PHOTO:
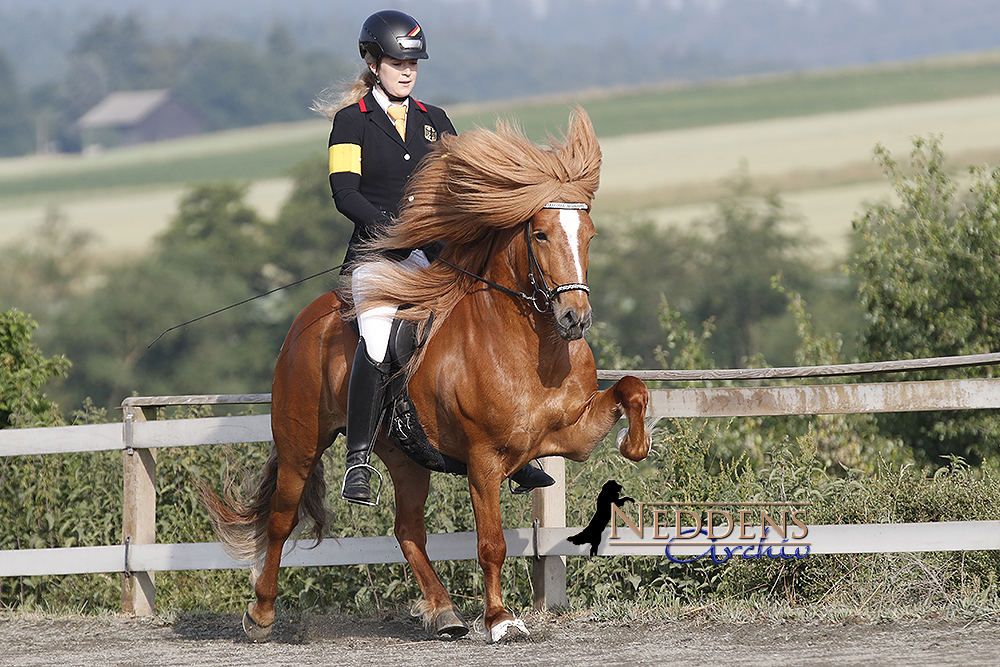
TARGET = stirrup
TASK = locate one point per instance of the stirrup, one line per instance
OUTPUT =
(378, 494)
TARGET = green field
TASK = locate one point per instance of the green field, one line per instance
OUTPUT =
(666, 148)
(635, 111)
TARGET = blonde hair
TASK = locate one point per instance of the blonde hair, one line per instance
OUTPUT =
(333, 99)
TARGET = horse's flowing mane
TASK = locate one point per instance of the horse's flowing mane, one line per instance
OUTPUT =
(474, 191)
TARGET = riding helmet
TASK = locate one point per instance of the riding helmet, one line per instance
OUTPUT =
(392, 34)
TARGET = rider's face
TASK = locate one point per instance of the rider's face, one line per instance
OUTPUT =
(397, 76)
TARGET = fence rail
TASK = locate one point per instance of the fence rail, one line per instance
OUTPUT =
(527, 542)
(140, 435)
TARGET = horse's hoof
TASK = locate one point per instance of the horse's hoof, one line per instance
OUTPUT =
(450, 622)
(508, 631)
(255, 631)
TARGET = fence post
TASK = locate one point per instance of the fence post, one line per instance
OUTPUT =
(138, 513)
(548, 509)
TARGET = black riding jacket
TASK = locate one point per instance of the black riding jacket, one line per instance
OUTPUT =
(370, 163)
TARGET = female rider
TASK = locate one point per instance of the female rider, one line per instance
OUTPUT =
(379, 135)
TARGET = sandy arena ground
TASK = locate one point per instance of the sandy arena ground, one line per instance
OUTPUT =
(326, 640)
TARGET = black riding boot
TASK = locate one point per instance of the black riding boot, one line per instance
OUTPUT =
(529, 477)
(365, 395)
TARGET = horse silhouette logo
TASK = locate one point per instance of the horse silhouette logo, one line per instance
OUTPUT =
(610, 493)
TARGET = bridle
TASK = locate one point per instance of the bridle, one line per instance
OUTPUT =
(541, 288)
(541, 296)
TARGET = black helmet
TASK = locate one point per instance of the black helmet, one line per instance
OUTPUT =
(392, 34)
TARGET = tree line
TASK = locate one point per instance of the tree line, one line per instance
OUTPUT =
(230, 83)
(919, 282)
(244, 81)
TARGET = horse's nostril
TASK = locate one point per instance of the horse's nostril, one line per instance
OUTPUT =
(573, 324)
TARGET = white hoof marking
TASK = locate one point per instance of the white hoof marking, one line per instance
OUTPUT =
(501, 629)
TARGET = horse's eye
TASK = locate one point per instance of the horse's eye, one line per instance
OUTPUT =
(541, 237)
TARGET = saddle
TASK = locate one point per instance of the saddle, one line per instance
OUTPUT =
(399, 414)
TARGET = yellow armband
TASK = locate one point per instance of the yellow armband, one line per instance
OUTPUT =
(345, 157)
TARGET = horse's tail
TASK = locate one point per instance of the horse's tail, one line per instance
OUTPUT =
(240, 518)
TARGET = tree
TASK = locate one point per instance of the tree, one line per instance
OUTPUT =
(210, 257)
(929, 287)
(217, 251)
(215, 234)
(748, 244)
(720, 272)
(632, 269)
(112, 55)
(24, 371)
(110, 334)
(229, 84)
(42, 270)
(232, 84)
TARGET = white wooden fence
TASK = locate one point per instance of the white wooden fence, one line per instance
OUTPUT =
(139, 435)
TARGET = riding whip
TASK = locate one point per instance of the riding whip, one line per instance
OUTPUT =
(220, 310)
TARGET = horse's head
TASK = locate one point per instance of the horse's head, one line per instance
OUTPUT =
(558, 239)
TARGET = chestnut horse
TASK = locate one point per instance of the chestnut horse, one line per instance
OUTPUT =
(504, 377)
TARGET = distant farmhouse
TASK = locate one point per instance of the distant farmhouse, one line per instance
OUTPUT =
(127, 118)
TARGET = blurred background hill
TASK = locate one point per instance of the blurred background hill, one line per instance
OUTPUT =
(481, 49)
(496, 35)
(715, 117)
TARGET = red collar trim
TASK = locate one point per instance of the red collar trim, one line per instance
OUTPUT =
(364, 107)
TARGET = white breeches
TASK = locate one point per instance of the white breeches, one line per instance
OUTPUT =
(376, 323)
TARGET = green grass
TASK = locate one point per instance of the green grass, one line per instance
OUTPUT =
(250, 165)
(269, 152)
(241, 155)
(745, 100)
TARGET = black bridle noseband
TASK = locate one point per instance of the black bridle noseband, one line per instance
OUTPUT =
(541, 296)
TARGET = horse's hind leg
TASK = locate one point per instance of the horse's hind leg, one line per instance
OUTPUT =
(411, 483)
(308, 391)
(292, 478)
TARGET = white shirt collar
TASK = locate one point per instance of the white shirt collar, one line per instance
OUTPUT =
(383, 100)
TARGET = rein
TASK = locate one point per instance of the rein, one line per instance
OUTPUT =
(541, 296)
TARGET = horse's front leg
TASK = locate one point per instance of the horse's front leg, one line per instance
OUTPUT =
(411, 483)
(632, 396)
(590, 422)
(484, 486)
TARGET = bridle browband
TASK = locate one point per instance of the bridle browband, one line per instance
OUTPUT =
(541, 296)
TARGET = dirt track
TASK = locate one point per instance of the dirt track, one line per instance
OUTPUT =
(323, 640)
